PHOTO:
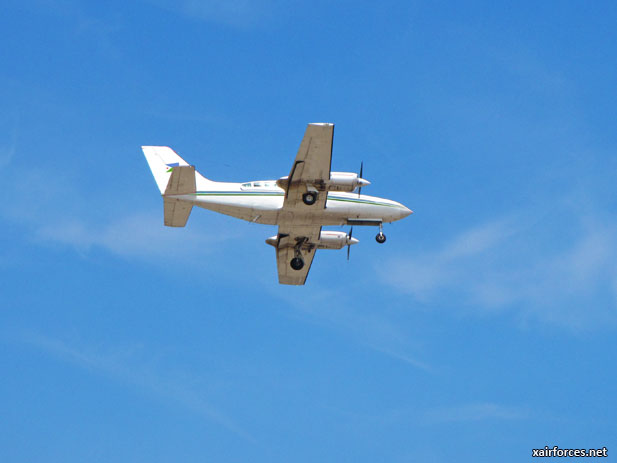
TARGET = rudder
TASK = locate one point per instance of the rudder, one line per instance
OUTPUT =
(162, 160)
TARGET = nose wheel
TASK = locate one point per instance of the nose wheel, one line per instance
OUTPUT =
(380, 238)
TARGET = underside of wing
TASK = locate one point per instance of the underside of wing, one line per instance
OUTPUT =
(292, 243)
(311, 168)
(287, 275)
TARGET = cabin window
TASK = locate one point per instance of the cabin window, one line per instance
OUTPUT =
(257, 184)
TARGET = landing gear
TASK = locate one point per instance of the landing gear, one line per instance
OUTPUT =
(380, 238)
(297, 263)
(309, 198)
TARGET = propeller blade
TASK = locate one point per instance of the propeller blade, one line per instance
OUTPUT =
(349, 241)
(360, 176)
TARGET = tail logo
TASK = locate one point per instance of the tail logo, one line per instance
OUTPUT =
(170, 167)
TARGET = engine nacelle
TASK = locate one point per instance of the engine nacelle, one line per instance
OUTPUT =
(345, 181)
(332, 240)
(339, 181)
(327, 240)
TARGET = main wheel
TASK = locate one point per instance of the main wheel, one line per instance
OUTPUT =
(380, 238)
(296, 263)
(309, 198)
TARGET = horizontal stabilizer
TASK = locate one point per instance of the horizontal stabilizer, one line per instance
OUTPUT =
(176, 212)
(181, 181)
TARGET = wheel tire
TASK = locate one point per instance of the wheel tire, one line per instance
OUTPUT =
(380, 238)
(309, 198)
(296, 263)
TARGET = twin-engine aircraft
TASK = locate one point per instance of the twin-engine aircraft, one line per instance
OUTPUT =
(310, 197)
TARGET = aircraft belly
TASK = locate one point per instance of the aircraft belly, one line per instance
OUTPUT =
(356, 210)
(268, 210)
(260, 210)
(324, 217)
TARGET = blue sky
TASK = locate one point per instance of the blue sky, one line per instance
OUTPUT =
(486, 325)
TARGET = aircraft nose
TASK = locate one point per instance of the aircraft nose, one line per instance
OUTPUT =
(404, 212)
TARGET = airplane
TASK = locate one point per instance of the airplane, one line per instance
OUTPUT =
(301, 203)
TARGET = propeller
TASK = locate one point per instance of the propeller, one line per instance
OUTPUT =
(349, 241)
(359, 176)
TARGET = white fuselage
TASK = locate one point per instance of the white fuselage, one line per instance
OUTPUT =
(262, 202)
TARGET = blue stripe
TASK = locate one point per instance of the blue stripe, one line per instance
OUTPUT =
(278, 193)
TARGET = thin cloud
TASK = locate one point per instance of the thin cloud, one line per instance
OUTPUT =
(499, 266)
(9, 147)
(6, 153)
(127, 367)
(236, 13)
(54, 212)
(425, 275)
(475, 412)
(81, 22)
(368, 328)
(140, 235)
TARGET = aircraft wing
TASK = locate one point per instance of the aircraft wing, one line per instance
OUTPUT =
(288, 238)
(311, 167)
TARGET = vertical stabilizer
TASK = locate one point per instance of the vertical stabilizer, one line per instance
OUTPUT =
(162, 160)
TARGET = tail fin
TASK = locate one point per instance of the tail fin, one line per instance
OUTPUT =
(162, 160)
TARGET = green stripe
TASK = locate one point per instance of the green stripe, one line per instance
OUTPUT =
(233, 193)
(362, 201)
(260, 193)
